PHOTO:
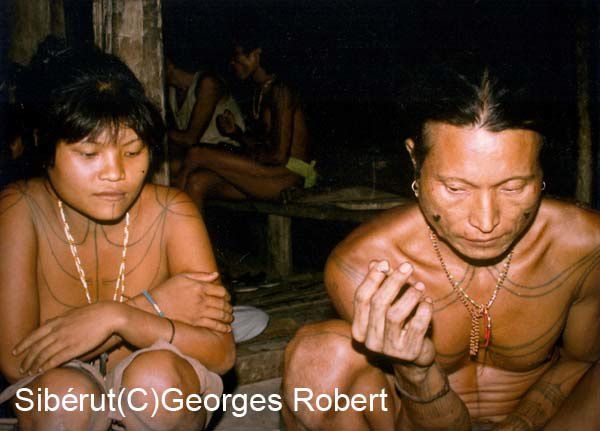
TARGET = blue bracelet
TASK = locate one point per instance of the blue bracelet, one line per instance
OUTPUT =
(153, 303)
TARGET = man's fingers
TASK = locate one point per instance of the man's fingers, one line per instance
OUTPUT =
(380, 303)
(363, 295)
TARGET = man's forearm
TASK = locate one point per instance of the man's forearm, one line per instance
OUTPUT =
(428, 403)
(545, 397)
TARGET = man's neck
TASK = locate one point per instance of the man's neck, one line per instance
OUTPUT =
(260, 76)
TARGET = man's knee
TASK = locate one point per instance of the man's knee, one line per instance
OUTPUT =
(59, 383)
(322, 356)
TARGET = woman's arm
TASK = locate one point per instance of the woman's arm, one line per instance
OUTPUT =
(19, 303)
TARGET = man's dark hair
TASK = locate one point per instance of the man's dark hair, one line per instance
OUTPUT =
(494, 99)
(75, 93)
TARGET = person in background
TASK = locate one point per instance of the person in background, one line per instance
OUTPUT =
(195, 99)
(275, 143)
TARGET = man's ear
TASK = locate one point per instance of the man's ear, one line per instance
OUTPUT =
(410, 147)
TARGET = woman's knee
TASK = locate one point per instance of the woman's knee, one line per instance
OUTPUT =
(172, 379)
(161, 370)
(68, 404)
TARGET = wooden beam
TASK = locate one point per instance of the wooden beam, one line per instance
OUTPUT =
(583, 190)
(279, 239)
(132, 30)
(30, 22)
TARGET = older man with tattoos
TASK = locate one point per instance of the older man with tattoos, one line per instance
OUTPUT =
(479, 306)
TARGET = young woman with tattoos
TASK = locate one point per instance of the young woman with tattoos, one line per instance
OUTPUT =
(107, 281)
(479, 306)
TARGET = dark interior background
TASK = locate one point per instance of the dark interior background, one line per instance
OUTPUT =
(349, 58)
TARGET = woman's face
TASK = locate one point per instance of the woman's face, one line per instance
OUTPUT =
(101, 177)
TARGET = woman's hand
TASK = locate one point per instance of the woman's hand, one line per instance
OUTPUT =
(196, 298)
(67, 337)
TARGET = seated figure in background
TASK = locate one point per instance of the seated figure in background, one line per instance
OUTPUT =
(478, 307)
(107, 282)
(275, 143)
(195, 99)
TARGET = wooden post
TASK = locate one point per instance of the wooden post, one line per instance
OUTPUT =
(30, 22)
(279, 240)
(583, 191)
(132, 30)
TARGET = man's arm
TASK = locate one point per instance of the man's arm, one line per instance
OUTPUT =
(283, 127)
(364, 294)
(580, 350)
(208, 94)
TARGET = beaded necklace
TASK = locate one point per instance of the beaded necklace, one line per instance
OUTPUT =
(120, 284)
(256, 106)
(476, 310)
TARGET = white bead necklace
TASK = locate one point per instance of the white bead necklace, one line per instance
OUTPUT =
(120, 284)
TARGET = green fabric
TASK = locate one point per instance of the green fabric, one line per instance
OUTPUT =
(306, 170)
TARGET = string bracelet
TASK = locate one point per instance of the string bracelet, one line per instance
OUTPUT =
(153, 303)
(172, 329)
(445, 389)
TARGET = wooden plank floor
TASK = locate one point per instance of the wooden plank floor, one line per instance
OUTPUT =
(298, 300)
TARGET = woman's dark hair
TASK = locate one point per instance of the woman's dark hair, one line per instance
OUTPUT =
(74, 93)
(471, 94)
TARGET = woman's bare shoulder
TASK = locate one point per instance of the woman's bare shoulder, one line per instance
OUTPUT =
(17, 199)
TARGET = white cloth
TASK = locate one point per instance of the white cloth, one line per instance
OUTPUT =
(248, 322)
(183, 113)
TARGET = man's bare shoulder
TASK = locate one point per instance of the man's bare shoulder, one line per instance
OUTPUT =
(388, 236)
(570, 226)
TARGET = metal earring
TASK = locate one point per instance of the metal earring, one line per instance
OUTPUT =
(543, 185)
(415, 188)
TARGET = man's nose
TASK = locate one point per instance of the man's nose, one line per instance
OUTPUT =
(484, 213)
(112, 167)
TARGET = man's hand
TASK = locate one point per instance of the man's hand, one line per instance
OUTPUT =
(226, 124)
(66, 337)
(391, 325)
(196, 298)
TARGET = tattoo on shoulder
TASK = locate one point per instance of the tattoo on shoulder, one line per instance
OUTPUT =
(176, 202)
(347, 269)
(12, 195)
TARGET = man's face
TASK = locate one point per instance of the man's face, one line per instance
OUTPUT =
(101, 177)
(480, 190)
(243, 64)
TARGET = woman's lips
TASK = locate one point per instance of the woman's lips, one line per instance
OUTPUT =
(110, 196)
